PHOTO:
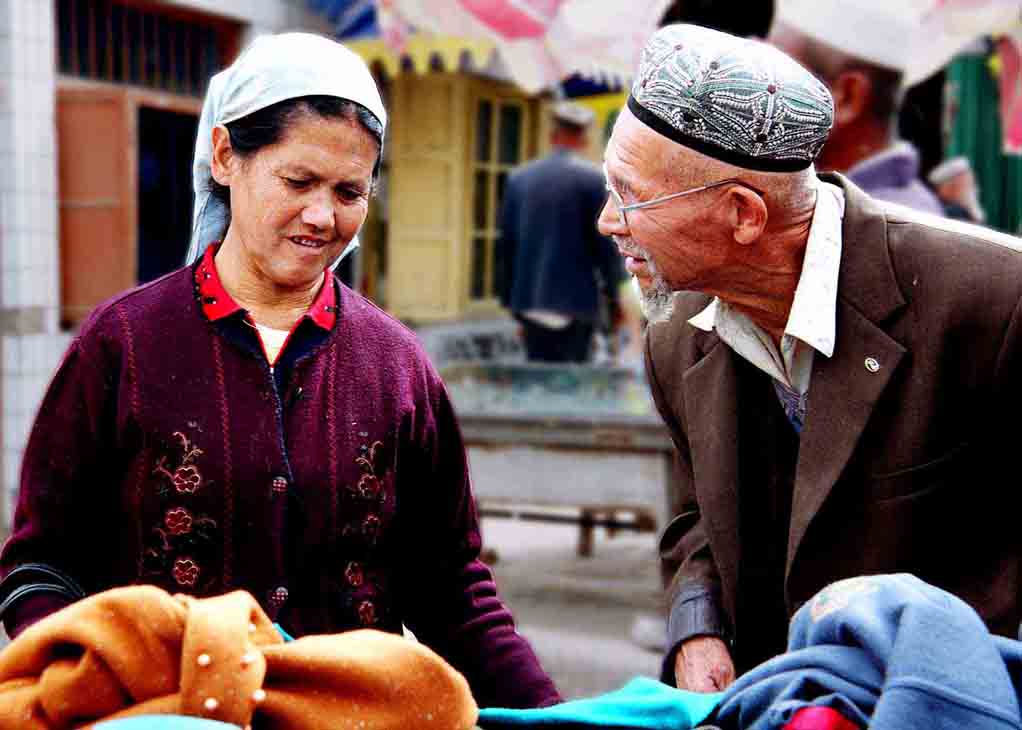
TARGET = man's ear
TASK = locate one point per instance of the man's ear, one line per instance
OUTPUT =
(223, 159)
(748, 214)
(852, 92)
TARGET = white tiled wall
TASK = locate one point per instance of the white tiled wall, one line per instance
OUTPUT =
(28, 364)
(29, 273)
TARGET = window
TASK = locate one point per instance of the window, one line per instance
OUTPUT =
(499, 145)
(107, 40)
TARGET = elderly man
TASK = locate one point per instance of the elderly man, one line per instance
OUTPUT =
(840, 376)
(858, 48)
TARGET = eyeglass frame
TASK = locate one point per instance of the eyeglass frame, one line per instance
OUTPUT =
(623, 209)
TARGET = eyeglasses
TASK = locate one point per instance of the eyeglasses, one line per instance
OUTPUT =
(622, 209)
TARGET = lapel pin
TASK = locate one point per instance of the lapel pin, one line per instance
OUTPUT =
(872, 364)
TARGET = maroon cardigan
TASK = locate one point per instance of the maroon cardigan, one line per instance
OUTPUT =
(165, 453)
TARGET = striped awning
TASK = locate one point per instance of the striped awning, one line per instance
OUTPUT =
(425, 53)
(350, 18)
(537, 44)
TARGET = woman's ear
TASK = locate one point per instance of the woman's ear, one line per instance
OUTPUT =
(223, 158)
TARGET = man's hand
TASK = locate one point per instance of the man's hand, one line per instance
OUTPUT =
(703, 664)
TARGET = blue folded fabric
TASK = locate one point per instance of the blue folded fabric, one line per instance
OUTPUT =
(888, 652)
(642, 704)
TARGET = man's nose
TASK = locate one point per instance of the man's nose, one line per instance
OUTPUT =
(609, 222)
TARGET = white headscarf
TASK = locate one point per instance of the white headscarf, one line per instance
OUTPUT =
(272, 69)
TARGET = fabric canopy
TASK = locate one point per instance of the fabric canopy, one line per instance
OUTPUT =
(539, 43)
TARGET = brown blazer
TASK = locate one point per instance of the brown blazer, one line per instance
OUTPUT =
(907, 469)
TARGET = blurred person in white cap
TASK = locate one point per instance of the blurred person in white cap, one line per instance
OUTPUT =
(557, 274)
(863, 51)
(956, 187)
(249, 422)
(839, 374)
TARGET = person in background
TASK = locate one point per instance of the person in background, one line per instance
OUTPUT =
(839, 375)
(956, 187)
(248, 422)
(557, 274)
(856, 47)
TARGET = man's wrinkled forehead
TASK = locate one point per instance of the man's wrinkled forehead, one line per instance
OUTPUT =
(634, 148)
(640, 158)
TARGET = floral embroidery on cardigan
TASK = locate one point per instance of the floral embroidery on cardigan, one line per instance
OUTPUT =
(182, 536)
(186, 478)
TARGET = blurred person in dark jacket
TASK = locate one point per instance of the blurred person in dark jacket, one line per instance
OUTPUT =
(857, 48)
(956, 187)
(556, 269)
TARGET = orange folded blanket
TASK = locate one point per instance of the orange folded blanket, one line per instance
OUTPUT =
(138, 650)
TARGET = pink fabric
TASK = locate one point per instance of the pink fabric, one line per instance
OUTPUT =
(515, 19)
(1010, 50)
(820, 718)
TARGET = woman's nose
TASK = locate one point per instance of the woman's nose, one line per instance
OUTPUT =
(319, 215)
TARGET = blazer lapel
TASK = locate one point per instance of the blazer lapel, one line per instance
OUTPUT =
(842, 395)
(845, 389)
(711, 409)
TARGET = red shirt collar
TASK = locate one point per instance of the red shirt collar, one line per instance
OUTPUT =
(217, 303)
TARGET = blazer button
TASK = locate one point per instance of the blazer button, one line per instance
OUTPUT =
(278, 597)
(367, 613)
(354, 574)
(279, 485)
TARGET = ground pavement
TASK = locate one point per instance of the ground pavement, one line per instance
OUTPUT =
(578, 612)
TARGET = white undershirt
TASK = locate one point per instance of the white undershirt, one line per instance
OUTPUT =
(273, 340)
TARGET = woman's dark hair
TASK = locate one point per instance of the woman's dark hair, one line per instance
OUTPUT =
(267, 126)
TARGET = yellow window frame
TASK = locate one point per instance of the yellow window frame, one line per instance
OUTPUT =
(490, 171)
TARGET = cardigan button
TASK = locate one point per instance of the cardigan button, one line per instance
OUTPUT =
(367, 613)
(354, 574)
(371, 527)
(279, 485)
(278, 597)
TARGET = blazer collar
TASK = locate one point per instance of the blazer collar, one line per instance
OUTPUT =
(866, 279)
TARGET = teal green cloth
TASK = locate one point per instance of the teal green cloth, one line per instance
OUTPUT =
(283, 634)
(642, 704)
(977, 135)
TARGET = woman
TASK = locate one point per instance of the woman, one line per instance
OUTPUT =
(248, 422)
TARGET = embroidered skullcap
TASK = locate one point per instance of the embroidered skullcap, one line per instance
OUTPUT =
(737, 100)
(949, 169)
(272, 69)
(570, 112)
